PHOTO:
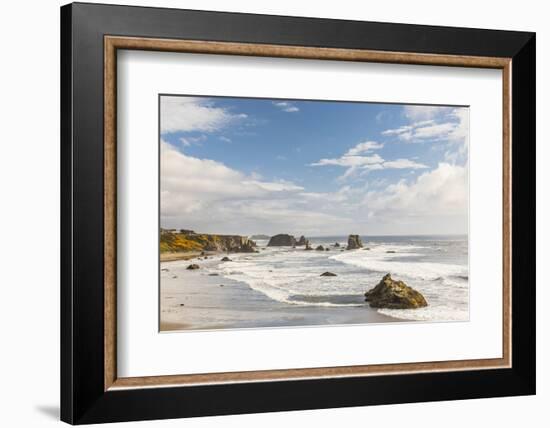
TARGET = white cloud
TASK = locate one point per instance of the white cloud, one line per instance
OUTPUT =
(286, 106)
(276, 186)
(209, 196)
(419, 112)
(350, 161)
(364, 147)
(403, 164)
(225, 139)
(186, 114)
(190, 141)
(355, 160)
(440, 192)
(436, 124)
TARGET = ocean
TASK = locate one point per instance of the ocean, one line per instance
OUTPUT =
(437, 266)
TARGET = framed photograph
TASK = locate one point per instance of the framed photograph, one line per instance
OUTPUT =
(266, 213)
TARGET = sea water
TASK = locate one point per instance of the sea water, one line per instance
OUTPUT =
(437, 266)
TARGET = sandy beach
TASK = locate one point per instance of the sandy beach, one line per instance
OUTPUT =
(199, 300)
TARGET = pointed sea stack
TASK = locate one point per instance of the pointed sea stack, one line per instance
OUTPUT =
(301, 241)
(354, 242)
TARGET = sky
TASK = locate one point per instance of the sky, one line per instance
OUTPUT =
(317, 168)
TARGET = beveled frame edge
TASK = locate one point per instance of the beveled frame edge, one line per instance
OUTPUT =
(112, 43)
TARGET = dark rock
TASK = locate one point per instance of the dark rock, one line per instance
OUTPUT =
(301, 241)
(328, 274)
(308, 245)
(193, 266)
(327, 249)
(213, 274)
(354, 242)
(202, 253)
(221, 285)
(390, 252)
(336, 244)
(282, 240)
(164, 270)
(226, 259)
(392, 294)
(320, 248)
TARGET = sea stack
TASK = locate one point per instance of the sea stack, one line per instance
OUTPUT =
(354, 242)
(391, 294)
(282, 240)
(301, 241)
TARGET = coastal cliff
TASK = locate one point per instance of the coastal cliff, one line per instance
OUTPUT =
(173, 241)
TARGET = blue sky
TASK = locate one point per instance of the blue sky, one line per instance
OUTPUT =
(242, 165)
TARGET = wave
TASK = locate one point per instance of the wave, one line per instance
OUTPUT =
(379, 260)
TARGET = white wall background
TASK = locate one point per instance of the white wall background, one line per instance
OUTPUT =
(29, 214)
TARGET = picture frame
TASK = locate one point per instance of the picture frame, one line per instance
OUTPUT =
(91, 35)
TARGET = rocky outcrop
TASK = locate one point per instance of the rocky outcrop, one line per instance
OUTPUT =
(301, 241)
(282, 240)
(226, 259)
(320, 248)
(308, 245)
(192, 266)
(231, 244)
(393, 294)
(328, 274)
(354, 242)
(336, 245)
(189, 241)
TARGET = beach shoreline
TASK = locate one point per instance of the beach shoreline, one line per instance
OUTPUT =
(193, 300)
(187, 255)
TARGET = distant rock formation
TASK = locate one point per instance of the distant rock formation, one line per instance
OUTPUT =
(189, 241)
(308, 245)
(328, 274)
(354, 242)
(336, 244)
(301, 241)
(393, 294)
(320, 248)
(282, 240)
